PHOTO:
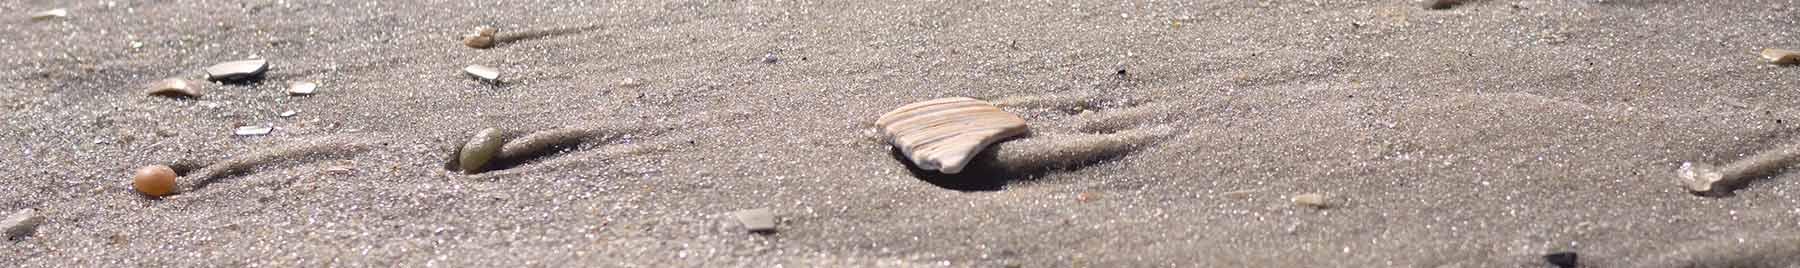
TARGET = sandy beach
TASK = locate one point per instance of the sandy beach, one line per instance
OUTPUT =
(1162, 133)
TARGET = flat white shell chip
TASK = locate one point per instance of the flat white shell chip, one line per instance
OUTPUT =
(483, 72)
(253, 130)
(50, 14)
(756, 220)
(944, 134)
(302, 88)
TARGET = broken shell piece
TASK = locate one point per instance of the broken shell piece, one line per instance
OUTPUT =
(302, 88)
(760, 220)
(484, 73)
(1781, 56)
(237, 70)
(944, 134)
(1312, 200)
(1699, 177)
(253, 130)
(174, 88)
(483, 38)
(50, 14)
(479, 150)
(21, 223)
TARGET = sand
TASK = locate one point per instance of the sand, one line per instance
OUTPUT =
(1484, 135)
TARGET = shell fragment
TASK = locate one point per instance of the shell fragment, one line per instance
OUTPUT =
(944, 134)
(302, 88)
(50, 14)
(237, 70)
(1781, 56)
(253, 130)
(479, 150)
(174, 88)
(484, 73)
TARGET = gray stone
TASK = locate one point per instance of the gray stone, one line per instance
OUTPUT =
(237, 70)
(760, 220)
(21, 223)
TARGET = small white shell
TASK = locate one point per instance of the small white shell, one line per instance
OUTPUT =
(302, 88)
(944, 134)
(50, 14)
(253, 130)
(484, 73)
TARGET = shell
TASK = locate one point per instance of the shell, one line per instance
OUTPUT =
(478, 41)
(1781, 56)
(302, 88)
(50, 14)
(483, 38)
(944, 134)
(174, 88)
(483, 73)
(479, 150)
(237, 70)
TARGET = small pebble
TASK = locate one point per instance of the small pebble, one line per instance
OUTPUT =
(761, 220)
(50, 14)
(155, 180)
(21, 223)
(253, 130)
(237, 71)
(174, 88)
(1565, 259)
(1781, 56)
(1312, 200)
(302, 88)
(770, 58)
(484, 73)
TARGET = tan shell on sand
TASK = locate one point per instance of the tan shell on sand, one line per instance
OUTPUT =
(943, 134)
(1781, 56)
(174, 88)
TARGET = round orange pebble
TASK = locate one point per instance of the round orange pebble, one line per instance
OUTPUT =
(154, 180)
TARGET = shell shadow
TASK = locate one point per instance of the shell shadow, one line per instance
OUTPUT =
(984, 173)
